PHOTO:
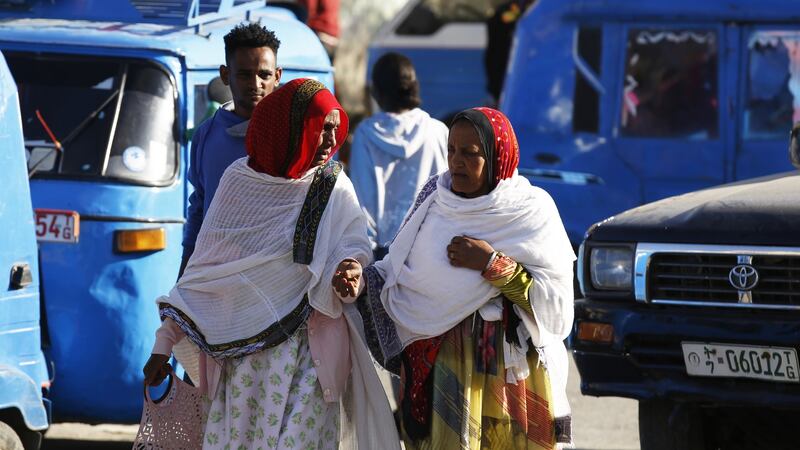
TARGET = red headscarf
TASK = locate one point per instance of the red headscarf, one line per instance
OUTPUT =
(499, 141)
(284, 130)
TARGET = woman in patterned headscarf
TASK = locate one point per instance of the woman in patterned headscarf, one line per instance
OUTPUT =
(268, 339)
(473, 301)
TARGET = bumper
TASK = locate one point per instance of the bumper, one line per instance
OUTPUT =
(644, 359)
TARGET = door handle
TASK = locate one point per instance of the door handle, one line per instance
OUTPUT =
(21, 276)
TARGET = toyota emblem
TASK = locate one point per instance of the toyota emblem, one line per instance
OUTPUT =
(743, 277)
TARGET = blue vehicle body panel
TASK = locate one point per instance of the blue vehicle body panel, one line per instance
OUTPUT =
(684, 10)
(594, 175)
(23, 372)
(100, 304)
(20, 392)
(107, 321)
(200, 50)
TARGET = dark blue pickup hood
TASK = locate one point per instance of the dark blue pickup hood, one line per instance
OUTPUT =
(761, 211)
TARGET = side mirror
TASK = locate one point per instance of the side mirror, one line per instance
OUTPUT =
(794, 146)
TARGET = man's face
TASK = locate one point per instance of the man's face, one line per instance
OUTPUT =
(252, 74)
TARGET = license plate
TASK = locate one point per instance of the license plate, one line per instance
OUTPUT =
(53, 225)
(707, 359)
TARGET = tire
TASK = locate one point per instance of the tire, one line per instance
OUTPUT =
(9, 439)
(665, 425)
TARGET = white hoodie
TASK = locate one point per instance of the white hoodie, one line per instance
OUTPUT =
(392, 157)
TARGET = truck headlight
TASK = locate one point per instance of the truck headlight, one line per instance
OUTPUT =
(611, 268)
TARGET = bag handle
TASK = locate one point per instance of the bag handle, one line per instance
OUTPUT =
(170, 386)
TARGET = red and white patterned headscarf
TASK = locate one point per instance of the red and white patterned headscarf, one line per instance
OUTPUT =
(284, 130)
(500, 146)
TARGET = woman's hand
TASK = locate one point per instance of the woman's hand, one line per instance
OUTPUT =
(470, 253)
(156, 369)
(347, 278)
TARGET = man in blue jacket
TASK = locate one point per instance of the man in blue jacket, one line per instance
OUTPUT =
(252, 73)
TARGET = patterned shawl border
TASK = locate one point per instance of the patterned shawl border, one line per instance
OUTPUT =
(381, 334)
(317, 198)
(300, 101)
(273, 335)
(429, 188)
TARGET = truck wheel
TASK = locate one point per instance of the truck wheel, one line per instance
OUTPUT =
(9, 439)
(665, 425)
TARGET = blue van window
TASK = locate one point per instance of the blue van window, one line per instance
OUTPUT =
(429, 15)
(586, 110)
(769, 110)
(670, 85)
(114, 118)
(75, 99)
(145, 144)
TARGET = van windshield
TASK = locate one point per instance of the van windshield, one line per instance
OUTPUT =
(773, 84)
(113, 118)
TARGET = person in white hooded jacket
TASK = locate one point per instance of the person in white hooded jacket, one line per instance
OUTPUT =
(395, 151)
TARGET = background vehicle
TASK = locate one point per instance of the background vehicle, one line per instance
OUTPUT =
(445, 40)
(118, 83)
(693, 308)
(618, 103)
(23, 371)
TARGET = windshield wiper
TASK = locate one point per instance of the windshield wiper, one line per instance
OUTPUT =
(81, 126)
(59, 148)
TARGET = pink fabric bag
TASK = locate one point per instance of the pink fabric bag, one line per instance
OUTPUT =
(176, 422)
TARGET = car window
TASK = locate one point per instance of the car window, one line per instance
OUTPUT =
(113, 118)
(670, 85)
(428, 16)
(773, 84)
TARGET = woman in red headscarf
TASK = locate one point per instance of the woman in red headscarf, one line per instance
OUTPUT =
(253, 319)
(473, 301)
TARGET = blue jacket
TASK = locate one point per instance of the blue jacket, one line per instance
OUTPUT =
(213, 150)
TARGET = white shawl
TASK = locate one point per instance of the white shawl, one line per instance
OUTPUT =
(244, 254)
(426, 296)
(241, 277)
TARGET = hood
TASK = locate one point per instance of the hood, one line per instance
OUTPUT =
(400, 135)
(761, 211)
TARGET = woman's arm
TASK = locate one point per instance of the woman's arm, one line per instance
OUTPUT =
(512, 279)
(157, 368)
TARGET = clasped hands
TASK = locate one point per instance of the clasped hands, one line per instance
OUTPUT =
(346, 280)
(462, 251)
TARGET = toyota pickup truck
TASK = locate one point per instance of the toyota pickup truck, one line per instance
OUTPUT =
(692, 307)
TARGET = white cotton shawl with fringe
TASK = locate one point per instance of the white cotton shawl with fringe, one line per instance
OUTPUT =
(426, 296)
(242, 279)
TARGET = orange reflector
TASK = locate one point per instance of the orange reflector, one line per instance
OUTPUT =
(141, 240)
(595, 332)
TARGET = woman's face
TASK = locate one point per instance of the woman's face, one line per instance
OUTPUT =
(327, 138)
(466, 161)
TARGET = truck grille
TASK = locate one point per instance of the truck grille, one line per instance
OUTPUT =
(703, 277)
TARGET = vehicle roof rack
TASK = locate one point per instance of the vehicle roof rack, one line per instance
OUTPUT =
(188, 13)
(193, 12)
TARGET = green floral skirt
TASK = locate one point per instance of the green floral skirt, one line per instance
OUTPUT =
(272, 399)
